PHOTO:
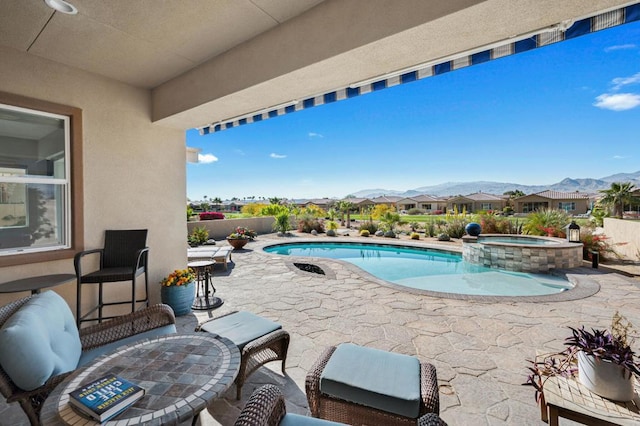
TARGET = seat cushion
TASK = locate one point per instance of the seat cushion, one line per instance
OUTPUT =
(384, 380)
(111, 275)
(39, 341)
(241, 327)
(91, 354)
(291, 419)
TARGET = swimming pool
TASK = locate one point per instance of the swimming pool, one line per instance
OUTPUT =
(428, 269)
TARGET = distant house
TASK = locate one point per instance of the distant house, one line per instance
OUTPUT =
(323, 203)
(476, 202)
(390, 200)
(571, 202)
(423, 202)
(360, 203)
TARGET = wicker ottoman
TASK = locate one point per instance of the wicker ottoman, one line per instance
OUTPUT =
(362, 365)
(259, 340)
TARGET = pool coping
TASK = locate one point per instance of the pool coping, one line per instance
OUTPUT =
(584, 286)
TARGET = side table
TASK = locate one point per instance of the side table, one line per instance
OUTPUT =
(35, 284)
(568, 398)
(181, 375)
(204, 299)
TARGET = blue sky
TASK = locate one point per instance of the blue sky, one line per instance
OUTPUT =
(571, 109)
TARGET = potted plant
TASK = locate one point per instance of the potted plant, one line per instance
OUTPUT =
(606, 362)
(178, 290)
(602, 360)
(240, 237)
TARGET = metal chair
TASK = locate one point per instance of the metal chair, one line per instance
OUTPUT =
(123, 258)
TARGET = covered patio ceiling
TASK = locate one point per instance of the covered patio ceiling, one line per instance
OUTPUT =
(207, 61)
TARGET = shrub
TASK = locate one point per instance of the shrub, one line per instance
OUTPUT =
(274, 210)
(415, 211)
(492, 224)
(430, 229)
(380, 210)
(369, 227)
(313, 210)
(282, 223)
(437, 212)
(546, 222)
(198, 236)
(598, 243)
(252, 209)
(414, 226)
(332, 225)
(455, 228)
(364, 233)
(211, 216)
(309, 223)
(415, 236)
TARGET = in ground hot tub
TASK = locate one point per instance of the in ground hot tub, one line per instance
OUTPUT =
(521, 253)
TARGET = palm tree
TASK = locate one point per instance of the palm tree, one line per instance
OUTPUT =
(617, 196)
(345, 206)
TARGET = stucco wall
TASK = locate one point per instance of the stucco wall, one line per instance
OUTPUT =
(219, 229)
(625, 236)
(134, 171)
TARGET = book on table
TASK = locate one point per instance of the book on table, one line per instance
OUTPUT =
(105, 397)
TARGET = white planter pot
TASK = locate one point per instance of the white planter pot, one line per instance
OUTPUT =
(605, 378)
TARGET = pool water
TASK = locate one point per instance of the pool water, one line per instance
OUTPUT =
(427, 269)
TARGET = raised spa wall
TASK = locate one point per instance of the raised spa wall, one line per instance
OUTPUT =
(522, 257)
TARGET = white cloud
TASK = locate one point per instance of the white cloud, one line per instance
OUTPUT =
(278, 156)
(620, 47)
(315, 135)
(207, 158)
(618, 101)
(625, 81)
(619, 157)
(239, 152)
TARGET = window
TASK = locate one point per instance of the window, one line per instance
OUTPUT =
(40, 197)
(426, 206)
(567, 206)
(486, 206)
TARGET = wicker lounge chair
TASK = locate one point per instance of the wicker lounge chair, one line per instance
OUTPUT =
(259, 340)
(92, 338)
(266, 407)
(332, 408)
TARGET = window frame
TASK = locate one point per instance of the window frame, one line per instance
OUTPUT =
(75, 158)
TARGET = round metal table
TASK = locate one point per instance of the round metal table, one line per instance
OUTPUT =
(181, 375)
(205, 299)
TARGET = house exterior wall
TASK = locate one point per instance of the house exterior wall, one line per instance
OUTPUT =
(581, 204)
(131, 166)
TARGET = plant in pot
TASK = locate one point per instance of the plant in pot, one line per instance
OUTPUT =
(602, 360)
(240, 237)
(178, 290)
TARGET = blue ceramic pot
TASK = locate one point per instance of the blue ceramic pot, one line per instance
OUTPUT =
(180, 297)
(473, 229)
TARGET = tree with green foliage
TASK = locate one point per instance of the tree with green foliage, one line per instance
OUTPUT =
(617, 196)
(346, 207)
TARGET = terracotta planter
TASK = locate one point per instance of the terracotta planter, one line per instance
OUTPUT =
(605, 378)
(237, 243)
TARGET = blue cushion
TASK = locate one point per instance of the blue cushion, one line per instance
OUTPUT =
(39, 341)
(241, 327)
(379, 379)
(91, 354)
(291, 419)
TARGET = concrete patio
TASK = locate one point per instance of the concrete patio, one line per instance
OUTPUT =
(479, 348)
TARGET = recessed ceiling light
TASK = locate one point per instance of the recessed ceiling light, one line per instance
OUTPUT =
(62, 6)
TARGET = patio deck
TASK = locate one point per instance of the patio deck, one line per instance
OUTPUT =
(478, 347)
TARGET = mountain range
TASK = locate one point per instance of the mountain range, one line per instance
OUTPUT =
(498, 188)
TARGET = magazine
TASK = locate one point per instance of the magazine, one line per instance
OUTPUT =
(106, 397)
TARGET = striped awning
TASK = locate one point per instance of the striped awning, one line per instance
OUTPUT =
(543, 37)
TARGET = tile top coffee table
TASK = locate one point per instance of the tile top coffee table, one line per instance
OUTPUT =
(181, 374)
(568, 398)
(35, 284)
